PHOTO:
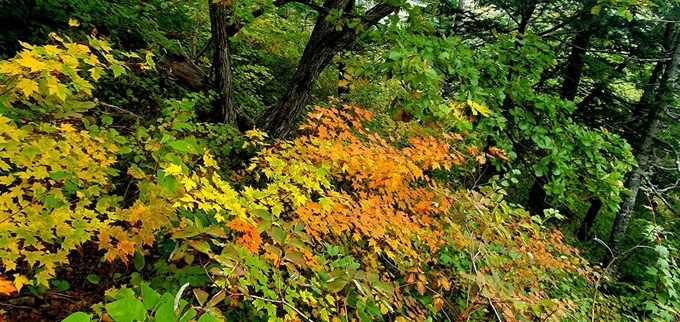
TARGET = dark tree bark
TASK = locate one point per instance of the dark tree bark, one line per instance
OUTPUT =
(324, 43)
(589, 220)
(657, 111)
(574, 70)
(225, 105)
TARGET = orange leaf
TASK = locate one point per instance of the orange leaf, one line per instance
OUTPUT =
(6, 287)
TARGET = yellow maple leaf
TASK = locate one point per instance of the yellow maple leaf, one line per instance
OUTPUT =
(478, 108)
(20, 281)
(95, 72)
(27, 86)
(73, 22)
(173, 169)
(28, 60)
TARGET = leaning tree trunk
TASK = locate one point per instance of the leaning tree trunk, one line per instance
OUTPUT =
(225, 103)
(644, 157)
(324, 43)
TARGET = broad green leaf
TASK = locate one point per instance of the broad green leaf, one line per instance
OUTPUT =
(126, 310)
(149, 296)
(78, 317)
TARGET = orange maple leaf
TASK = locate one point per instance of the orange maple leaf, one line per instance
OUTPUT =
(6, 287)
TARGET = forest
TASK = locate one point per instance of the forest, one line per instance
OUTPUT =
(339, 160)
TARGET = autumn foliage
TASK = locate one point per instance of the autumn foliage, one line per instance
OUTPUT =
(340, 223)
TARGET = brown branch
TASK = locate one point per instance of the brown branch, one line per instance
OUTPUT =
(120, 109)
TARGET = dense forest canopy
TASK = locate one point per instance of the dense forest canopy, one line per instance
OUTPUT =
(337, 160)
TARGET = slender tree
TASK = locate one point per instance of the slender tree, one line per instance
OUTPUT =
(657, 111)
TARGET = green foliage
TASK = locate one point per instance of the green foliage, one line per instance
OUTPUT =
(451, 84)
(129, 24)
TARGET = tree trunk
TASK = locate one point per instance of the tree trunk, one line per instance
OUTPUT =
(224, 104)
(574, 72)
(228, 111)
(458, 23)
(658, 110)
(587, 223)
(324, 43)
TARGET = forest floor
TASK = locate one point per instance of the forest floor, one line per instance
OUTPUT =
(55, 305)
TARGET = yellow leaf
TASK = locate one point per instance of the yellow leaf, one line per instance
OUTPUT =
(96, 73)
(54, 36)
(20, 281)
(209, 161)
(26, 45)
(28, 60)
(73, 22)
(478, 108)
(27, 86)
(173, 169)
(52, 85)
(52, 49)
(188, 184)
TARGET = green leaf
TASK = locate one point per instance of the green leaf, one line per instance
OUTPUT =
(207, 317)
(139, 261)
(336, 285)
(78, 317)
(217, 298)
(149, 297)
(93, 278)
(165, 312)
(278, 234)
(201, 246)
(61, 285)
(179, 146)
(126, 310)
(296, 257)
(117, 70)
(596, 9)
(265, 215)
(107, 120)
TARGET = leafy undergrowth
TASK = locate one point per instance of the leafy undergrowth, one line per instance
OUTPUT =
(337, 224)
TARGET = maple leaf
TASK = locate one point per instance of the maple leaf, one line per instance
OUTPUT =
(6, 287)
(28, 60)
(173, 169)
(27, 86)
(126, 248)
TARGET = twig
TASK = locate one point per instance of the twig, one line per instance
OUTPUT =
(120, 109)
(17, 306)
(494, 311)
(200, 52)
